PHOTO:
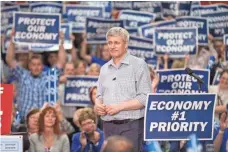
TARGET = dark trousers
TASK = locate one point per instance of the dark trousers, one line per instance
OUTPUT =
(133, 130)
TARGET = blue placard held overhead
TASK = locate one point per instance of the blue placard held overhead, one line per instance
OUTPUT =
(200, 10)
(77, 14)
(96, 29)
(66, 28)
(106, 4)
(175, 9)
(147, 31)
(177, 116)
(36, 28)
(218, 23)
(77, 90)
(136, 18)
(222, 7)
(176, 42)
(122, 5)
(145, 53)
(178, 81)
(7, 17)
(133, 31)
(47, 8)
(200, 23)
(140, 42)
(147, 6)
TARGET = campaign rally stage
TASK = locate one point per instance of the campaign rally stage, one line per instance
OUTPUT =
(177, 116)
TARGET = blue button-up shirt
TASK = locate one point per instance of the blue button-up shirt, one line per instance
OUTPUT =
(31, 90)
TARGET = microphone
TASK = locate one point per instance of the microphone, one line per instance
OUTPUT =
(114, 79)
(190, 72)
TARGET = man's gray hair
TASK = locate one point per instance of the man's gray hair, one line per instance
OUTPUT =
(118, 31)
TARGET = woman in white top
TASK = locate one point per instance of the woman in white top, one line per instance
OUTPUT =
(49, 137)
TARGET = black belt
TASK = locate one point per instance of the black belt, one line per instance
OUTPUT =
(121, 121)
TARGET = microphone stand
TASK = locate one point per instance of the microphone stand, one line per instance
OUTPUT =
(199, 85)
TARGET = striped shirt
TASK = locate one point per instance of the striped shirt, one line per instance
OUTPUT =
(31, 90)
(131, 80)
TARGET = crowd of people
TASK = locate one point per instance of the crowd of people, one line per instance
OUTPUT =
(114, 121)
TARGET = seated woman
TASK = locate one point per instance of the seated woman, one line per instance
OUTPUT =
(49, 137)
(90, 139)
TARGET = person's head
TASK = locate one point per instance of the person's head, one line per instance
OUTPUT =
(76, 117)
(118, 144)
(22, 58)
(32, 119)
(105, 53)
(223, 81)
(92, 94)
(80, 68)
(219, 47)
(87, 120)
(36, 64)
(52, 58)
(69, 68)
(117, 39)
(94, 70)
(178, 64)
(48, 119)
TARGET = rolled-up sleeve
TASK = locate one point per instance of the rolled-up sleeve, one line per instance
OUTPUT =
(143, 85)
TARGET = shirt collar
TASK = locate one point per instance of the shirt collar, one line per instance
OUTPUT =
(125, 60)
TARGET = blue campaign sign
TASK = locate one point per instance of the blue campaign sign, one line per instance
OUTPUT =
(24, 7)
(133, 31)
(176, 42)
(136, 18)
(147, 6)
(178, 81)
(47, 8)
(222, 7)
(106, 4)
(36, 28)
(225, 39)
(198, 22)
(96, 29)
(67, 30)
(11, 143)
(147, 30)
(43, 47)
(145, 53)
(7, 16)
(122, 5)
(200, 10)
(177, 116)
(77, 14)
(174, 9)
(77, 90)
(217, 23)
(140, 42)
(18, 48)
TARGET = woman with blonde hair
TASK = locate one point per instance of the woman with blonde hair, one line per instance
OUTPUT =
(49, 137)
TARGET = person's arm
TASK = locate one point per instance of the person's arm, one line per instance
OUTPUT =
(166, 58)
(10, 54)
(61, 53)
(97, 148)
(219, 138)
(76, 145)
(143, 87)
(66, 126)
(65, 144)
(220, 109)
(83, 50)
